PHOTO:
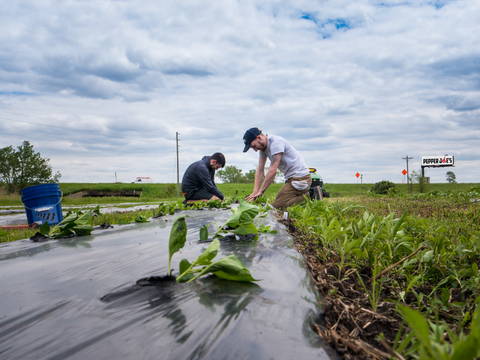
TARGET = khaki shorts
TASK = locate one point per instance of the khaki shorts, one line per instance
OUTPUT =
(288, 195)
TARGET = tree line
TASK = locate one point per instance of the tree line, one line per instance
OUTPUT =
(232, 174)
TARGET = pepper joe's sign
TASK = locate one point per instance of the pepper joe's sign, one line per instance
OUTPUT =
(430, 161)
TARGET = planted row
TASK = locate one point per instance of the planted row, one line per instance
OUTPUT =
(427, 265)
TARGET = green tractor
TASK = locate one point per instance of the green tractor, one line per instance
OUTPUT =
(317, 181)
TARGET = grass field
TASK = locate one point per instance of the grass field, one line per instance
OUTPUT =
(166, 192)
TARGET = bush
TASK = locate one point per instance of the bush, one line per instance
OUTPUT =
(384, 187)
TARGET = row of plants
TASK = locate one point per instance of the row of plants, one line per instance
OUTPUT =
(407, 269)
(71, 225)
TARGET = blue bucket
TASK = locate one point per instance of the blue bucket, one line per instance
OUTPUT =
(43, 203)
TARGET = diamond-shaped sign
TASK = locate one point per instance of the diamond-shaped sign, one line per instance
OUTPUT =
(404, 172)
(357, 174)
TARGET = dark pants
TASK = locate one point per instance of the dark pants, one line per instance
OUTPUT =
(288, 195)
(200, 194)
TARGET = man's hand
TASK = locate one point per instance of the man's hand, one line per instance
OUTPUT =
(253, 196)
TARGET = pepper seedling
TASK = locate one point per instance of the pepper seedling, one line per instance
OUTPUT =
(241, 222)
(229, 268)
(178, 237)
(76, 223)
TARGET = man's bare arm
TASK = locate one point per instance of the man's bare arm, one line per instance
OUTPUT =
(259, 174)
(272, 171)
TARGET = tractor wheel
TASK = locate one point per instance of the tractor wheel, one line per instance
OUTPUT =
(326, 194)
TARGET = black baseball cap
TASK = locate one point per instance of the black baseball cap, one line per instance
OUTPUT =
(250, 135)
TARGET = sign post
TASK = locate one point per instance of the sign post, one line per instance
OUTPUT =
(404, 172)
(357, 175)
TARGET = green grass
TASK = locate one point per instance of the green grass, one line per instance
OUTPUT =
(349, 190)
(150, 193)
(165, 192)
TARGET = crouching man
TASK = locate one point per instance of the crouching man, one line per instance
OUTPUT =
(285, 158)
(198, 182)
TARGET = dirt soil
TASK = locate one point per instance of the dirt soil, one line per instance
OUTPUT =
(351, 326)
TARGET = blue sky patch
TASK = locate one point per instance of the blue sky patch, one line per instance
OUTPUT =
(321, 24)
(308, 16)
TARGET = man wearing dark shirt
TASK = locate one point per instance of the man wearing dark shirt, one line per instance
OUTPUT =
(198, 182)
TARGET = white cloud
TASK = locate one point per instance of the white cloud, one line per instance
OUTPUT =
(355, 86)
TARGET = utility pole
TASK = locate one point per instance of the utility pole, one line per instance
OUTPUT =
(408, 177)
(178, 171)
(361, 178)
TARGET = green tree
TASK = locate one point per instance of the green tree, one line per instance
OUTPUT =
(250, 176)
(24, 167)
(419, 181)
(8, 164)
(231, 174)
(451, 177)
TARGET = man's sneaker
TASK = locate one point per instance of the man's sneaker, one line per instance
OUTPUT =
(317, 190)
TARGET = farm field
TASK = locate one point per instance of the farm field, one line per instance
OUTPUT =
(168, 192)
(399, 275)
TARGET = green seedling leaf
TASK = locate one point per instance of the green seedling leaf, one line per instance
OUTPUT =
(445, 296)
(70, 218)
(4, 233)
(466, 349)
(428, 256)
(65, 232)
(83, 230)
(266, 229)
(67, 226)
(229, 268)
(184, 266)
(141, 219)
(209, 253)
(45, 228)
(84, 219)
(203, 233)
(417, 323)
(245, 229)
(178, 236)
(245, 213)
(97, 210)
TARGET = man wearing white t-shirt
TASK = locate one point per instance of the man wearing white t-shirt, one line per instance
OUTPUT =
(285, 158)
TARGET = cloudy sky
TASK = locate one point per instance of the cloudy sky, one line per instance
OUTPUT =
(103, 86)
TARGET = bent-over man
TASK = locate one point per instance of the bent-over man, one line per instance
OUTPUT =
(285, 158)
(198, 182)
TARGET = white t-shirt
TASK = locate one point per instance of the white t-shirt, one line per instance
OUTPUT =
(291, 163)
